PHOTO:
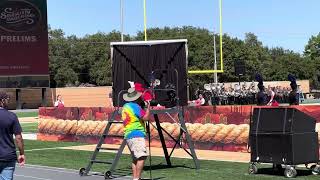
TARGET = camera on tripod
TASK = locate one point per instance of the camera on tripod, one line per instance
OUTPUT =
(164, 94)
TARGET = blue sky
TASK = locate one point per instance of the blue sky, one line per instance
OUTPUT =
(285, 23)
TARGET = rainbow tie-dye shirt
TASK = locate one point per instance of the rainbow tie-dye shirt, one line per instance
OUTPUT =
(133, 125)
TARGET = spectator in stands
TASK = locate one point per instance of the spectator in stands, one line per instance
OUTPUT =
(59, 102)
(9, 126)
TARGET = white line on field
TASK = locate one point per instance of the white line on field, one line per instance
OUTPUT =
(31, 177)
(40, 149)
(55, 169)
(48, 167)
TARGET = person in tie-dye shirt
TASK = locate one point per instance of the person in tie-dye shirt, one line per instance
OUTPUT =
(133, 116)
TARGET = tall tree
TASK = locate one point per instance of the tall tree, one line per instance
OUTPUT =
(75, 60)
(312, 49)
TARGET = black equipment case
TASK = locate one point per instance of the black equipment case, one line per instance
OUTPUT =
(283, 136)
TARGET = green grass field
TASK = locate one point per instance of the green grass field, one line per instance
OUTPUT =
(182, 168)
(29, 127)
(26, 114)
(31, 144)
(46, 153)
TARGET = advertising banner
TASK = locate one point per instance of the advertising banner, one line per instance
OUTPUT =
(23, 44)
(223, 128)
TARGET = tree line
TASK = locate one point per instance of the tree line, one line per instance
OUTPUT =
(76, 60)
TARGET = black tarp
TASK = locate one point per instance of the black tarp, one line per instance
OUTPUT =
(136, 62)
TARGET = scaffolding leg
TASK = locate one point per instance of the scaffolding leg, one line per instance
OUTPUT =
(189, 140)
(164, 146)
(98, 147)
(119, 153)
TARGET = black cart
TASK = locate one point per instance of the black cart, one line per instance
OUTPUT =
(284, 137)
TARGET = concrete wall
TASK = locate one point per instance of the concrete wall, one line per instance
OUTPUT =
(84, 96)
(72, 97)
(30, 98)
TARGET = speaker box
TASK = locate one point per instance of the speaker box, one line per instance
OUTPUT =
(239, 68)
(285, 120)
(290, 149)
(139, 61)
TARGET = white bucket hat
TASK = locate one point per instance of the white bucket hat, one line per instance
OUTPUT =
(132, 95)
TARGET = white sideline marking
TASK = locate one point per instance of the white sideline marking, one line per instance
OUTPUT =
(31, 177)
(52, 148)
(56, 169)
(29, 136)
(49, 168)
(29, 150)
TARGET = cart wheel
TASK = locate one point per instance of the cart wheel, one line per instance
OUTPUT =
(315, 170)
(107, 175)
(290, 172)
(253, 169)
(82, 171)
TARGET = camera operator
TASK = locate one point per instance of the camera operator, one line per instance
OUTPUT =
(133, 116)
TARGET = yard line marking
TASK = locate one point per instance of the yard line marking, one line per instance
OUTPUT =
(50, 168)
(29, 133)
(31, 177)
(40, 149)
(62, 170)
(54, 170)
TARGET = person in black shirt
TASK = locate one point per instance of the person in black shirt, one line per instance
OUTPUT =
(293, 95)
(9, 126)
(261, 95)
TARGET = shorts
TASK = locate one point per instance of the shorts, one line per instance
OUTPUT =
(137, 147)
